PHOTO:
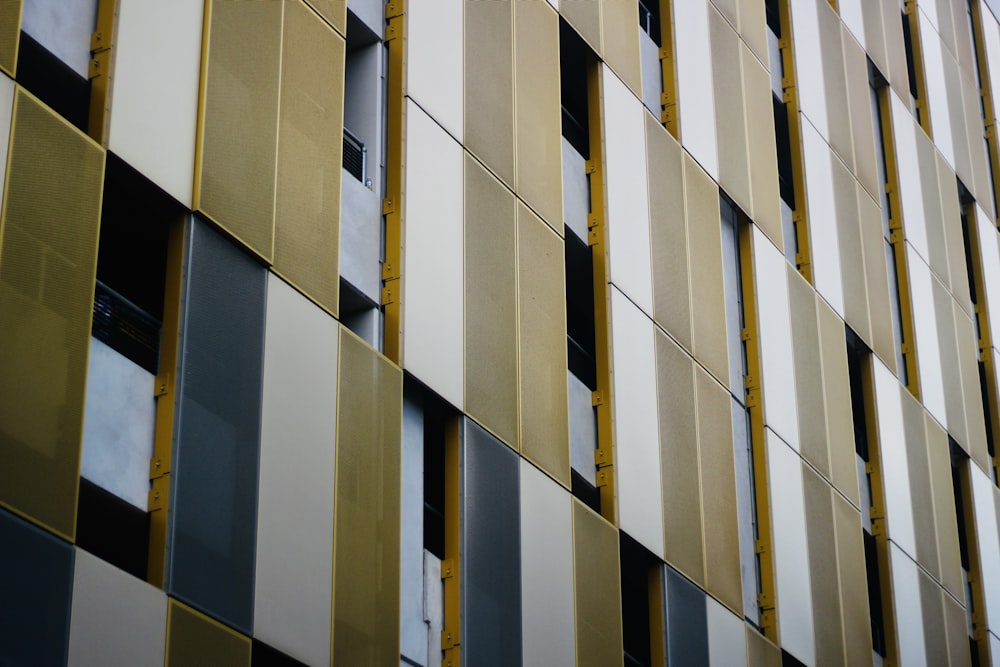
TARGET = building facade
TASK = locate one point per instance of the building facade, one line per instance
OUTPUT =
(499, 332)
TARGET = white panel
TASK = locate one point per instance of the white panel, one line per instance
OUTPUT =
(555, 4)
(640, 501)
(433, 264)
(116, 619)
(293, 594)
(809, 63)
(908, 169)
(412, 628)
(155, 103)
(727, 644)
(6, 109)
(984, 501)
(909, 617)
(937, 94)
(434, 80)
(582, 428)
(791, 550)
(989, 249)
(892, 444)
(547, 621)
(926, 333)
(775, 330)
(628, 201)
(695, 91)
(576, 190)
(823, 218)
(64, 29)
(853, 17)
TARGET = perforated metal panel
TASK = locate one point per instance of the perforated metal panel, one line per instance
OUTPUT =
(596, 573)
(621, 41)
(48, 258)
(10, 34)
(827, 623)
(334, 11)
(196, 639)
(489, 85)
(853, 581)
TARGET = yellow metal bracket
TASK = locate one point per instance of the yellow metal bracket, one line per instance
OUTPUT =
(100, 70)
(392, 268)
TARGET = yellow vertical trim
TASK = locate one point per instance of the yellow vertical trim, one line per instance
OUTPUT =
(670, 117)
(451, 635)
(986, 94)
(923, 108)
(102, 63)
(392, 294)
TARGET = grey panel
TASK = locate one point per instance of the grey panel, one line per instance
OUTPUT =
(687, 622)
(36, 576)
(217, 432)
(413, 629)
(491, 551)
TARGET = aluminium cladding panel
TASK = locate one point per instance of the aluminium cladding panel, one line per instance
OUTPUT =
(238, 141)
(367, 506)
(727, 644)
(908, 136)
(585, 17)
(309, 157)
(293, 578)
(686, 621)
(48, 259)
(156, 81)
(196, 639)
(695, 91)
(932, 612)
(838, 111)
(491, 550)
(36, 587)
(489, 85)
(217, 428)
(984, 504)
(839, 411)
(760, 651)
(116, 618)
(730, 108)
(865, 169)
(491, 326)
(850, 242)
(596, 577)
(413, 629)
(794, 603)
(7, 88)
(333, 11)
(892, 451)
(809, 67)
(637, 447)
(925, 330)
(938, 65)
(537, 112)
(968, 363)
(989, 250)
(882, 340)
(620, 27)
(10, 34)
(945, 517)
(853, 581)
(627, 195)
(434, 34)
(63, 29)
(907, 607)
(822, 542)
(543, 396)
(547, 629)
(764, 187)
(823, 205)
(433, 258)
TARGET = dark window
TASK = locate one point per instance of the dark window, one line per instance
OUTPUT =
(573, 57)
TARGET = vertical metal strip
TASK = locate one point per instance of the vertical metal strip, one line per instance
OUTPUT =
(102, 63)
(986, 95)
(392, 294)
(670, 116)
(451, 635)
(916, 45)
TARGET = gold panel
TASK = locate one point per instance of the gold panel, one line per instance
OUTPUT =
(808, 375)
(932, 609)
(856, 64)
(195, 639)
(968, 361)
(538, 110)
(881, 340)
(939, 458)
(853, 581)
(542, 336)
(839, 413)
(718, 486)
(753, 30)
(334, 11)
(489, 85)
(760, 651)
(585, 17)
(668, 233)
(682, 520)
(621, 42)
(827, 612)
(10, 34)
(835, 83)
(238, 125)
(764, 189)
(956, 626)
(48, 261)
(310, 146)
(921, 497)
(596, 576)
(704, 226)
(366, 507)
(730, 120)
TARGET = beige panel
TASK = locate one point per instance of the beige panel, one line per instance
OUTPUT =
(921, 497)
(334, 11)
(705, 239)
(957, 628)
(939, 461)
(489, 85)
(366, 507)
(892, 26)
(951, 372)
(968, 361)
(668, 233)
(850, 244)
(853, 582)
(490, 303)
(946, 199)
(237, 144)
(760, 651)
(951, 221)
(730, 119)
(621, 41)
(542, 336)
(766, 211)
(808, 373)
(196, 639)
(753, 28)
(682, 516)
(839, 413)
(875, 39)
(310, 145)
(539, 144)
(982, 182)
(856, 64)
(48, 261)
(935, 632)
(838, 111)
(881, 341)
(718, 477)
(827, 623)
(10, 34)
(596, 572)
(585, 17)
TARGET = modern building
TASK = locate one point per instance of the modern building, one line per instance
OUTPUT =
(499, 332)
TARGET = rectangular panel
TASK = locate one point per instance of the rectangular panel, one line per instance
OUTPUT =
(544, 408)
(968, 365)
(489, 85)
(936, 62)
(10, 25)
(730, 114)
(309, 160)
(687, 622)
(984, 502)
(491, 551)
(925, 331)
(935, 634)
(892, 450)
(366, 521)
(63, 29)
(491, 303)
(957, 630)
(413, 628)
(434, 33)
(921, 498)
(856, 65)
(596, 574)
(193, 638)
(882, 339)
(727, 646)
(298, 428)
(48, 258)
(808, 382)
(538, 110)
(805, 28)
(905, 133)
(547, 627)
(585, 17)
(156, 80)
(695, 91)
(823, 205)
(433, 312)
(838, 111)
(117, 619)
(826, 609)
(945, 518)
(636, 438)
(627, 199)
(217, 429)
(839, 413)
(334, 11)
(238, 142)
(764, 190)
(989, 250)
(760, 651)
(909, 617)
(621, 41)
(6, 113)
(853, 581)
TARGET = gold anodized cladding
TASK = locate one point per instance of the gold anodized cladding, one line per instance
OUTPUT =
(596, 576)
(196, 639)
(10, 34)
